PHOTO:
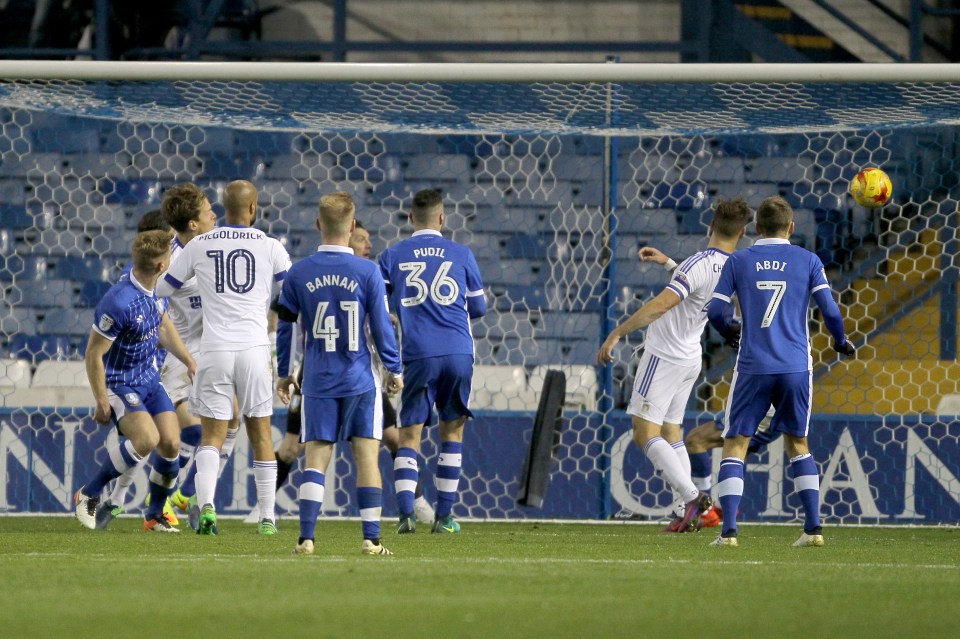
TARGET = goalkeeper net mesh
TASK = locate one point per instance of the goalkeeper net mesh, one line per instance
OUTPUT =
(554, 186)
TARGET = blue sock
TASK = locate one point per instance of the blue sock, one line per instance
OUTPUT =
(311, 499)
(806, 481)
(121, 458)
(163, 477)
(405, 476)
(730, 490)
(188, 486)
(189, 440)
(370, 499)
(448, 476)
(701, 470)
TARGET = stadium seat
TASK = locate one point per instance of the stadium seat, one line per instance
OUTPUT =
(681, 195)
(54, 374)
(508, 351)
(440, 167)
(517, 297)
(14, 373)
(6, 243)
(62, 321)
(16, 217)
(92, 292)
(715, 169)
(12, 191)
(496, 325)
(754, 193)
(574, 246)
(130, 192)
(569, 325)
(553, 352)
(37, 348)
(22, 268)
(530, 247)
(634, 273)
(45, 293)
(17, 319)
(647, 221)
(582, 384)
(82, 269)
(94, 217)
(575, 168)
(501, 388)
(787, 170)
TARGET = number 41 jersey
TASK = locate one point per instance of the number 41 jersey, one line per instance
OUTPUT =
(236, 269)
(431, 281)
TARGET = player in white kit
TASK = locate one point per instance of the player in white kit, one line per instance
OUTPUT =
(237, 268)
(672, 357)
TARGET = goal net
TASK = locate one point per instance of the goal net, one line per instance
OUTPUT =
(554, 182)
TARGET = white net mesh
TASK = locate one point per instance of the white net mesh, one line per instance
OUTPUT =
(524, 172)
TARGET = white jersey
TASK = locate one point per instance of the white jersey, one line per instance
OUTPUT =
(236, 268)
(675, 336)
(185, 306)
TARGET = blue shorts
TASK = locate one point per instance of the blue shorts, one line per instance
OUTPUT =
(330, 419)
(752, 395)
(442, 381)
(151, 398)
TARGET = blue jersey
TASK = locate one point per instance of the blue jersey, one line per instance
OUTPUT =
(129, 316)
(435, 289)
(773, 281)
(336, 294)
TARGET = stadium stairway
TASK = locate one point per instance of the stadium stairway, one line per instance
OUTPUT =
(898, 369)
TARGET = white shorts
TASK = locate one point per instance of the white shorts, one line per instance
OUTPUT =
(661, 390)
(222, 374)
(174, 376)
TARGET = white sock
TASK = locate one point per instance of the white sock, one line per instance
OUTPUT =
(206, 460)
(265, 476)
(661, 454)
(119, 495)
(227, 449)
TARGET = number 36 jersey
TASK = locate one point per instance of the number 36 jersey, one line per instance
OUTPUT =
(773, 281)
(435, 288)
(236, 268)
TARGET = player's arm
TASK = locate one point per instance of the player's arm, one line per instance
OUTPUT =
(287, 316)
(381, 330)
(476, 301)
(179, 271)
(170, 340)
(646, 315)
(720, 310)
(655, 255)
(833, 320)
(97, 347)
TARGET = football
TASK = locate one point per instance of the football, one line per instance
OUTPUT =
(871, 188)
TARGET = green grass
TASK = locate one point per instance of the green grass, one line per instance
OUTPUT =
(492, 580)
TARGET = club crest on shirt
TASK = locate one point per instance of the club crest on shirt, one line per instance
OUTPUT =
(132, 399)
(680, 276)
(105, 323)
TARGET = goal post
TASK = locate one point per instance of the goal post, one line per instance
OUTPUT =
(554, 175)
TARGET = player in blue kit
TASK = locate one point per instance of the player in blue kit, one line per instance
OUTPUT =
(773, 282)
(436, 290)
(130, 323)
(338, 295)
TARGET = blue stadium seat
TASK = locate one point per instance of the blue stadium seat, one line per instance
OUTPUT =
(131, 191)
(17, 320)
(437, 167)
(92, 291)
(647, 221)
(82, 269)
(788, 170)
(682, 196)
(6, 243)
(634, 273)
(12, 191)
(557, 352)
(516, 297)
(68, 136)
(22, 268)
(713, 169)
(568, 325)
(526, 246)
(16, 217)
(75, 323)
(47, 293)
(574, 246)
(37, 348)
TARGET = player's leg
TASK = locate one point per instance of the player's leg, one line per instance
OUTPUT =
(453, 396)
(290, 447)
(416, 410)
(673, 435)
(699, 442)
(311, 492)
(422, 509)
(233, 429)
(135, 423)
(793, 419)
(177, 383)
(366, 452)
(255, 397)
(748, 403)
(165, 466)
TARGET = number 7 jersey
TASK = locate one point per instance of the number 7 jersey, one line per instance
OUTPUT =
(773, 281)
(236, 269)
(435, 288)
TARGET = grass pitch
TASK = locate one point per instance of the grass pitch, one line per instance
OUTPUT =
(492, 580)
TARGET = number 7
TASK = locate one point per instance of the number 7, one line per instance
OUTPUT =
(778, 287)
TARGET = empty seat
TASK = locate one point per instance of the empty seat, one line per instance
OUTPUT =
(22, 269)
(647, 221)
(714, 169)
(634, 273)
(63, 321)
(130, 191)
(569, 325)
(501, 388)
(517, 297)
(533, 247)
(45, 293)
(553, 352)
(14, 373)
(37, 348)
(495, 325)
(582, 384)
(85, 268)
(92, 292)
(779, 170)
(54, 374)
(17, 319)
(437, 166)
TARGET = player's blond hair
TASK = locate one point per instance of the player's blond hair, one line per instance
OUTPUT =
(730, 217)
(774, 216)
(149, 248)
(336, 213)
